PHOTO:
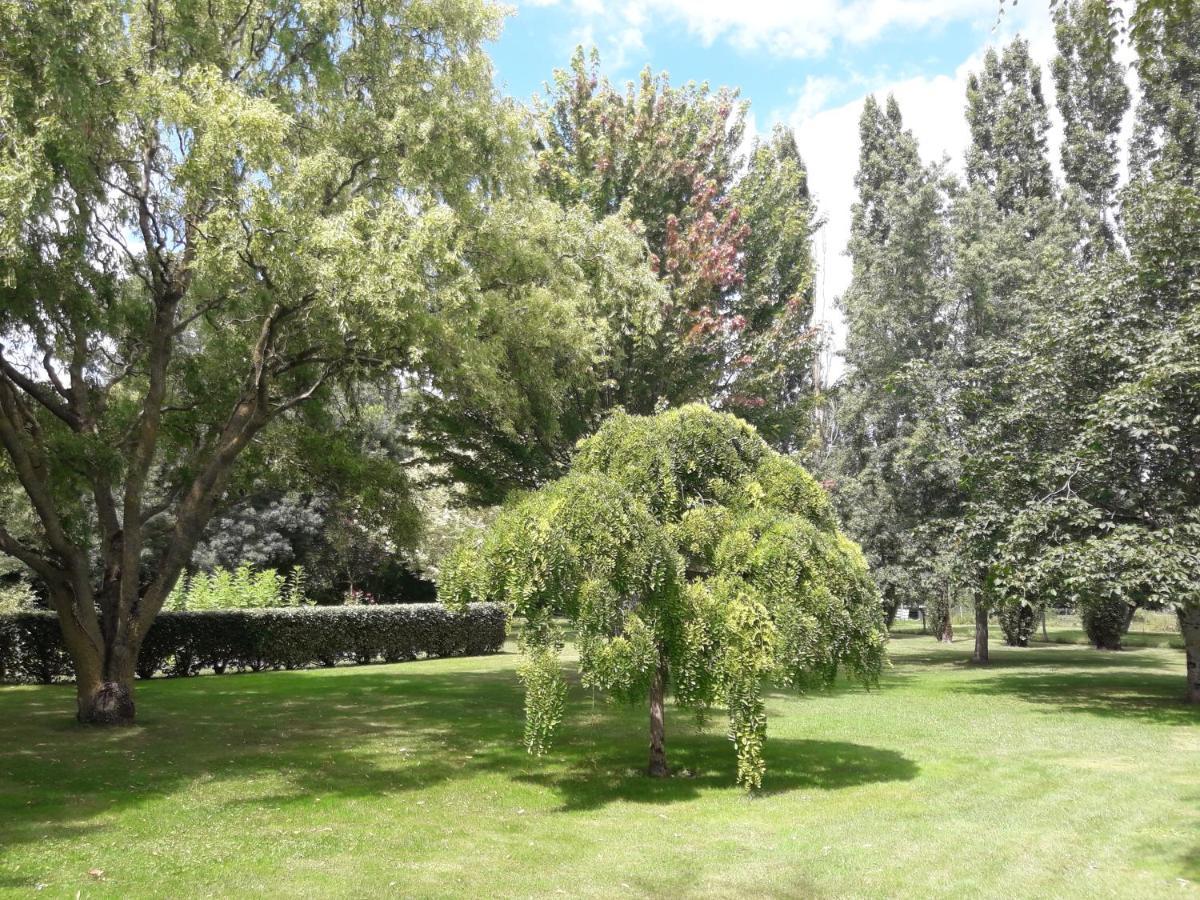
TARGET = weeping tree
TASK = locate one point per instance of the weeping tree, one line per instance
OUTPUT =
(210, 215)
(690, 558)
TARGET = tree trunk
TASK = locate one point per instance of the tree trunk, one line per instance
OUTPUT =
(1189, 627)
(104, 692)
(1128, 619)
(105, 702)
(981, 632)
(658, 744)
(104, 666)
(946, 635)
(1045, 633)
(890, 611)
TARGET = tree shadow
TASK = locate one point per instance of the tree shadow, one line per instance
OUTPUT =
(1055, 656)
(1152, 697)
(365, 732)
(703, 762)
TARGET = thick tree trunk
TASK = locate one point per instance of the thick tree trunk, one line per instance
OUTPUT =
(889, 612)
(104, 692)
(947, 630)
(105, 702)
(1128, 619)
(658, 743)
(1189, 626)
(104, 666)
(981, 633)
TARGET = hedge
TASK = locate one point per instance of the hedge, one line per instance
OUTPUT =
(186, 643)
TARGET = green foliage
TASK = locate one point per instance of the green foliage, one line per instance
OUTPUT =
(1103, 620)
(1007, 115)
(1017, 622)
(187, 643)
(242, 588)
(16, 596)
(733, 255)
(891, 482)
(678, 542)
(1092, 98)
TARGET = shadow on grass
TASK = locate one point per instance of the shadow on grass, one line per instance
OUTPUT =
(705, 762)
(1152, 697)
(357, 733)
(1113, 684)
(1056, 656)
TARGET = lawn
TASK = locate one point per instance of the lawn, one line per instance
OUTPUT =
(1058, 771)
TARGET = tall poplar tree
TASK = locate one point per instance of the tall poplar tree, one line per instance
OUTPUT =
(1007, 230)
(891, 486)
(1093, 98)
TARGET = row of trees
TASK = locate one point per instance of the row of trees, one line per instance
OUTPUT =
(258, 247)
(1020, 421)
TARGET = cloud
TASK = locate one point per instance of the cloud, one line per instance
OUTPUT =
(786, 28)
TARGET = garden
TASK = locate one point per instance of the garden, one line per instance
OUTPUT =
(408, 487)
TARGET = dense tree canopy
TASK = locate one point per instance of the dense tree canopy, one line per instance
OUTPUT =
(689, 556)
(218, 218)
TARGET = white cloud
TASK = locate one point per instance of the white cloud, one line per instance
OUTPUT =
(789, 28)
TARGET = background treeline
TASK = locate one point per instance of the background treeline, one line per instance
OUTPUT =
(1020, 421)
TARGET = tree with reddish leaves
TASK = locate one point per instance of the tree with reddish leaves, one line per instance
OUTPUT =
(729, 240)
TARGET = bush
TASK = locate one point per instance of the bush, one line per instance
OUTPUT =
(240, 588)
(1017, 621)
(1103, 619)
(185, 643)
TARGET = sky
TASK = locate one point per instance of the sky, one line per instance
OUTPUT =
(807, 63)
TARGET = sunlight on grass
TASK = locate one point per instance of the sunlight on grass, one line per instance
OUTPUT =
(1057, 770)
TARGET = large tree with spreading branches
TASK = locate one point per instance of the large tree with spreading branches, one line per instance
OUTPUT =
(690, 557)
(213, 218)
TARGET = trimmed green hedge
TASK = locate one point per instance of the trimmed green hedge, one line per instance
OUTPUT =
(185, 643)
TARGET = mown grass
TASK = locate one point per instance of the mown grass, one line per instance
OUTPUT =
(1055, 772)
(1151, 631)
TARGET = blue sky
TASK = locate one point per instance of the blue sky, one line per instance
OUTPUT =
(773, 75)
(809, 63)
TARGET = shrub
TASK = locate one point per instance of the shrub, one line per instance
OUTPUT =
(241, 588)
(1103, 619)
(1017, 621)
(185, 643)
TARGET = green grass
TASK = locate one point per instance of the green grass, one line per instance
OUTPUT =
(1056, 772)
(1063, 630)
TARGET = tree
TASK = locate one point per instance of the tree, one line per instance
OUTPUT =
(1007, 231)
(891, 487)
(1092, 98)
(1007, 115)
(772, 384)
(569, 312)
(212, 214)
(1166, 135)
(690, 557)
(731, 243)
